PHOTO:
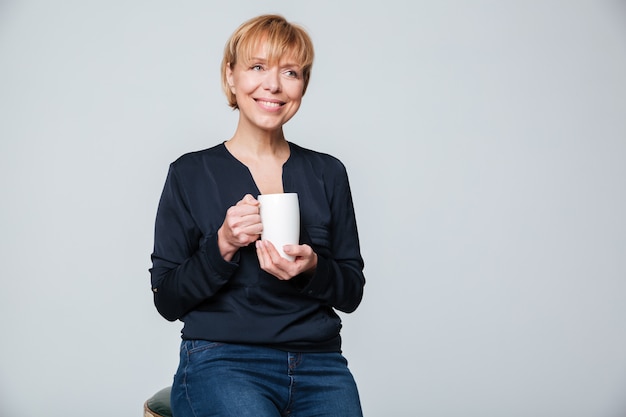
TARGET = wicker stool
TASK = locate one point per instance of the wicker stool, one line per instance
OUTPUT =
(159, 404)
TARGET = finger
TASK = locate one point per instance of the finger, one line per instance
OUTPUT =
(294, 250)
(244, 214)
(305, 258)
(247, 223)
(243, 208)
(254, 230)
(272, 252)
(249, 200)
(261, 254)
(287, 268)
(268, 256)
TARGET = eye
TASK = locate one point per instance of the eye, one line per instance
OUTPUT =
(291, 73)
(256, 67)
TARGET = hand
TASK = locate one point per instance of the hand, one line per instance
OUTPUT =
(283, 269)
(241, 226)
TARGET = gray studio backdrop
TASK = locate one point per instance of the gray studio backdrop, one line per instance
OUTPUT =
(486, 147)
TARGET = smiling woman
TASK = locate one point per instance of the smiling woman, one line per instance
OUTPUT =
(256, 324)
(278, 41)
(267, 90)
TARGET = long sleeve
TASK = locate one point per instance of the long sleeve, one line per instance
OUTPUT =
(187, 265)
(339, 278)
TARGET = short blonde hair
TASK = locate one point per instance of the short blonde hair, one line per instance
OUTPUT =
(283, 39)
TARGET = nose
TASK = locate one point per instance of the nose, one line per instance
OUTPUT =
(272, 81)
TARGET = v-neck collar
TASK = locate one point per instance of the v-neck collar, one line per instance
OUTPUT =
(286, 184)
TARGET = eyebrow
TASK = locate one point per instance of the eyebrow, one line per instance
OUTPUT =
(286, 64)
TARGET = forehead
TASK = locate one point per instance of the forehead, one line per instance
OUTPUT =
(273, 51)
(267, 53)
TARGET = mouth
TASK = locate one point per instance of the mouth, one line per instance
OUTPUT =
(271, 104)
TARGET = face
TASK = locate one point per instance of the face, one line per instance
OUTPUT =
(267, 95)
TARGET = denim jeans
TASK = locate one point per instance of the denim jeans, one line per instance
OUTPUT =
(217, 379)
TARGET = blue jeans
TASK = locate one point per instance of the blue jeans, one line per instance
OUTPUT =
(217, 379)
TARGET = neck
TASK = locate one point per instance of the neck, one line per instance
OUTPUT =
(258, 142)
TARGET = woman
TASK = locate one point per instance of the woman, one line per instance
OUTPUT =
(260, 336)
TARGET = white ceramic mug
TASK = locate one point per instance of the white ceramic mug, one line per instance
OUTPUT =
(280, 215)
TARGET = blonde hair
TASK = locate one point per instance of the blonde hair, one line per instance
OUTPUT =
(282, 38)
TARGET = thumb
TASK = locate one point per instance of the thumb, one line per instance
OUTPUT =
(294, 250)
(250, 200)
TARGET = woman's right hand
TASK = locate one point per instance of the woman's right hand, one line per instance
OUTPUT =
(241, 227)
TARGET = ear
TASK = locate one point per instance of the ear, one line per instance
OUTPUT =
(229, 77)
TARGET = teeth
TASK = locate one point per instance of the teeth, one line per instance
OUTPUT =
(269, 104)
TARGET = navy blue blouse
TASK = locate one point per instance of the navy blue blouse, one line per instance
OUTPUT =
(237, 302)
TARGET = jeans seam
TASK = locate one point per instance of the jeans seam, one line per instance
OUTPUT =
(293, 360)
(184, 381)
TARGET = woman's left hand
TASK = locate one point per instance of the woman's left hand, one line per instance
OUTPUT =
(283, 269)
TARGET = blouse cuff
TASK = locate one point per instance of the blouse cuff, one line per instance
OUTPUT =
(211, 249)
(317, 285)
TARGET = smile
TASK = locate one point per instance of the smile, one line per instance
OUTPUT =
(272, 104)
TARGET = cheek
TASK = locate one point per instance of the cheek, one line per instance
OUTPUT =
(296, 92)
(244, 84)
(295, 106)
